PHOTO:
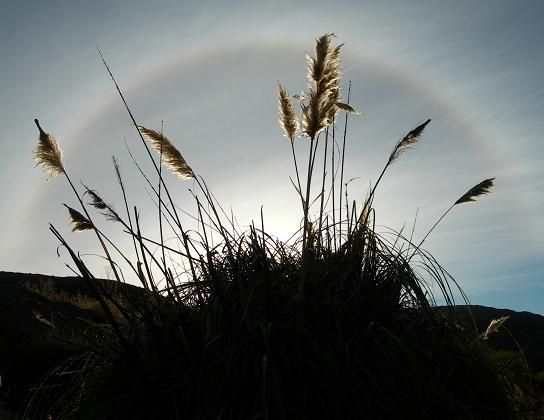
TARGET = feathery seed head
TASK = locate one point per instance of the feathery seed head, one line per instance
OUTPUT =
(494, 325)
(364, 216)
(286, 114)
(96, 200)
(476, 191)
(98, 203)
(330, 105)
(48, 153)
(348, 108)
(407, 141)
(319, 100)
(78, 221)
(170, 155)
(318, 65)
(311, 120)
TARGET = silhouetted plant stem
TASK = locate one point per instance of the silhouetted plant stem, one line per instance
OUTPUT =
(322, 203)
(296, 171)
(333, 183)
(343, 158)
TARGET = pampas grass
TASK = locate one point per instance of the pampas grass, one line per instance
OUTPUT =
(347, 108)
(48, 153)
(320, 98)
(171, 156)
(335, 323)
(476, 191)
(407, 142)
(98, 203)
(286, 114)
(494, 326)
(79, 222)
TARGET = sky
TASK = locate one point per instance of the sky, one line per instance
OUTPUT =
(208, 72)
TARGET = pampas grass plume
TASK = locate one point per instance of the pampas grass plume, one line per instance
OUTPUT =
(348, 108)
(171, 156)
(286, 114)
(494, 325)
(79, 222)
(98, 203)
(320, 99)
(407, 141)
(48, 153)
(476, 191)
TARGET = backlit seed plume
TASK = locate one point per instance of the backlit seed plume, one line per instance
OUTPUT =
(494, 325)
(323, 93)
(170, 155)
(321, 65)
(364, 217)
(98, 203)
(286, 114)
(48, 153)
(407, 142)
(347, 108)
(78, 221)
(476, 191)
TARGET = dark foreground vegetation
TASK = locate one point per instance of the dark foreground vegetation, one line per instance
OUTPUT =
(338, 322)
(42, 318)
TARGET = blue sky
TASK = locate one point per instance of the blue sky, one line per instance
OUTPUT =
(210, 72)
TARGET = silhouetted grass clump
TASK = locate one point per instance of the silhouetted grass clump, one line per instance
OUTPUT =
(338, 322)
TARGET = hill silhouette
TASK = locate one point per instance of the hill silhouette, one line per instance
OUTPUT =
(40, 319)
(525, 327)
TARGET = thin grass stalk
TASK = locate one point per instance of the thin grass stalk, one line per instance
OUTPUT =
(129, 230)
(90, 280)
(112, 265)
(201, 217)
(212, 225)
(263, 233)
(184, 239)
(413, 226)
(150, 184)
(200, 221)
(155, 290)
(172, 213)
(218, 203)
(430, 264)
(223, 212)
(307, 196)
(321, 206)
(166, 272)
(333, 182)
(353, 218)
(480, 189)
(305, 232)
(120, 281)
(209, 224)
(125, 201)
(343, 155)
(296, 171)
(142, 250)
(159, 203)
(316, 148)
(347, 212)
(183, 233)
(327, 235)
(431, 229)
(404, 144)
(224, 233)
